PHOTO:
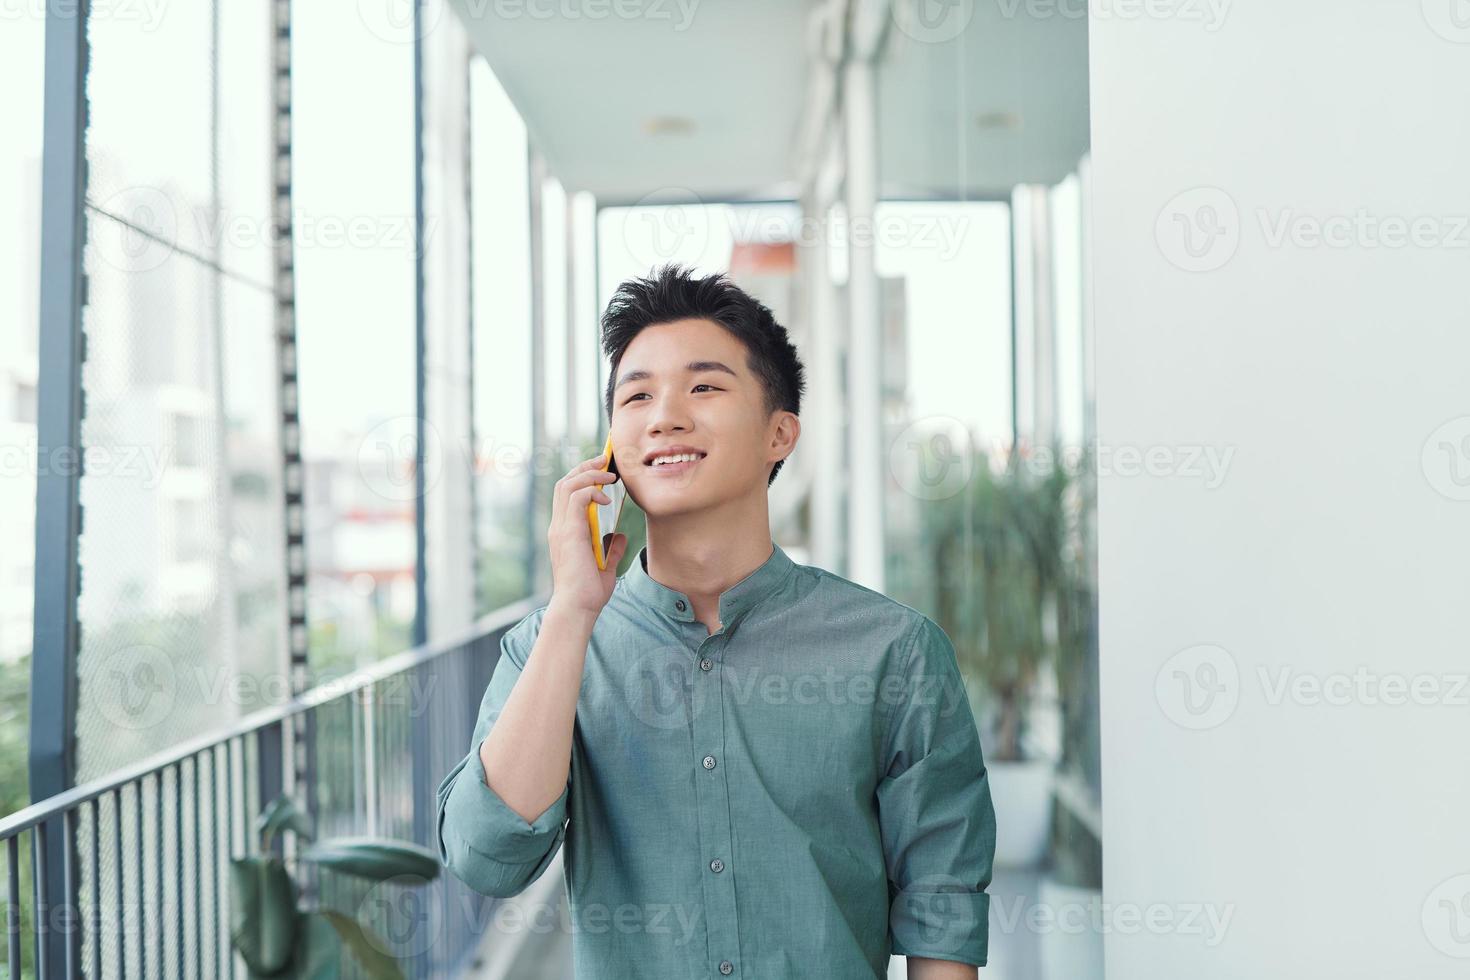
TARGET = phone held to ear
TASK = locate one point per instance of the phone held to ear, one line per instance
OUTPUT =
(600, 516)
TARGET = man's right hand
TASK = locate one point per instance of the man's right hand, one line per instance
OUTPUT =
(577, 583)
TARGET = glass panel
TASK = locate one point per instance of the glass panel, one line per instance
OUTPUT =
(21, 71)
(500, 232)
(354, 200)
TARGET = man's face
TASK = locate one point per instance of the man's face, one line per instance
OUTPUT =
(716, 408)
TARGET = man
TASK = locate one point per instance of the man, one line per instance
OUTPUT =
(760, 768)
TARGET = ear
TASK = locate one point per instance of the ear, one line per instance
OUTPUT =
(785, 435)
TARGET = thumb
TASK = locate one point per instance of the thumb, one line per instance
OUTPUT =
(616, 548)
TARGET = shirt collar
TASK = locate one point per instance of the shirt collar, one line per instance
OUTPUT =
(734, 601)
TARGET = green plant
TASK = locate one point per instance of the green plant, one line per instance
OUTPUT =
(999, 552)
(278, 939)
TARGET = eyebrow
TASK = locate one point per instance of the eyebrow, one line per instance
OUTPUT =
(693, 367)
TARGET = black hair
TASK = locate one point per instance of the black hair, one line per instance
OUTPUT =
(675, 293)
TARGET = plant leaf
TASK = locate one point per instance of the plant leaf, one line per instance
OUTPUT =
(318, 950)
(368, 948)
(373, 858)
(263, 914)
(281, 814)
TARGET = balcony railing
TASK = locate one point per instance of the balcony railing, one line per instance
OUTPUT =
(144, 883)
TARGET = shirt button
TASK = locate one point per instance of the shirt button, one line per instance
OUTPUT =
(727, 967)
(679, 605)
(706, 664)
(717, 865)
(709, 762)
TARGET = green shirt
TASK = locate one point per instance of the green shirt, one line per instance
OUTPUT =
(797, 795)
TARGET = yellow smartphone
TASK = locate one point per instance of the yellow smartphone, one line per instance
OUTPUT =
(601, 516)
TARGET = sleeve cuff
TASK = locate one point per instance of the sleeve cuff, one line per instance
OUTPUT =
(483, 822)
(941, 925)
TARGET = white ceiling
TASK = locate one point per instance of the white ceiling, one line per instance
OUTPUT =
(738, 69)
(932, 95)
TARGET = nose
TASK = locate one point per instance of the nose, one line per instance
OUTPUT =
(669, 417)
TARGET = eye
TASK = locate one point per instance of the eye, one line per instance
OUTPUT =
(698, 386)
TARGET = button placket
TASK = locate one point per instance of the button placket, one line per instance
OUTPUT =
(712, 801)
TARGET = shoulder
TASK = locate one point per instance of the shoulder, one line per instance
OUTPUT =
(879, 616)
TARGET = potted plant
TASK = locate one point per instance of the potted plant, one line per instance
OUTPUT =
(278, 939)
(997, 551)
(1074, 878)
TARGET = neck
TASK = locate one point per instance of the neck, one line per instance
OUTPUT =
(704, 553)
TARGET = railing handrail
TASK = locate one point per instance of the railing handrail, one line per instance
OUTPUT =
(492, 622)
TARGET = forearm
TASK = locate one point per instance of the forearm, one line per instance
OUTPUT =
(528, 752)
(922, 968)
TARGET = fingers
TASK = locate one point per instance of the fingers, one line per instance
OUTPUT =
(585, 474)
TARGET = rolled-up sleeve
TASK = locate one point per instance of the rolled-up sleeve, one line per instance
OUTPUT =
(482, 841)
(935, 812)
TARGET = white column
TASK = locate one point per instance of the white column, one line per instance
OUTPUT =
(866, 463)
(1280, 267)
(448, 467)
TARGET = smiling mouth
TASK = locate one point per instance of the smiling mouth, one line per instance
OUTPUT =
(678, 467)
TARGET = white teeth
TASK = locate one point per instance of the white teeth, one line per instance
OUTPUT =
(681, 458)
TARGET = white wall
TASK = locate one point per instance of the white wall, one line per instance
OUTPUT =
(1332, 834)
